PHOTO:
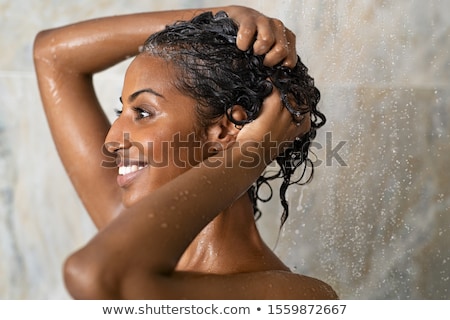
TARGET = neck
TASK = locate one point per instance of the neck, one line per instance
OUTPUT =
(230, 243)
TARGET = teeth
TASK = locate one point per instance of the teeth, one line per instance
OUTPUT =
(129, 169)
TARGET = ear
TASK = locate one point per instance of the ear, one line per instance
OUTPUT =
(223, 132)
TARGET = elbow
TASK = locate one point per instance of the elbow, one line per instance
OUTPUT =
(48, 52)
(42, 47)
(86, 277)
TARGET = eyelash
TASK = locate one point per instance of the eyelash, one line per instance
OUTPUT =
(140, 111)
(137, 110)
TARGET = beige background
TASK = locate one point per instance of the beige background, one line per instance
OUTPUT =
(374, 222)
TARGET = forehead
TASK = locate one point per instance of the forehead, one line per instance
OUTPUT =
(147, 71)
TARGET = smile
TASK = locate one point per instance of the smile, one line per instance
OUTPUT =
(123, 170)
(128, 172)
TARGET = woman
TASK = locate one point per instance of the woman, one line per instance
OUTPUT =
(174, 218)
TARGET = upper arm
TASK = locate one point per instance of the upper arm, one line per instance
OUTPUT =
(78, 126)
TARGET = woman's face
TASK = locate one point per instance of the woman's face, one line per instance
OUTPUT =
(153, 137)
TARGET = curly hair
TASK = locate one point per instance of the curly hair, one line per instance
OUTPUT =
(219, 75)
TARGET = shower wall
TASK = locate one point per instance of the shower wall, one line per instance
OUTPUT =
(375, 220)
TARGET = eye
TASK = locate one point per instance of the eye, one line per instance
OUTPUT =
(142, 113)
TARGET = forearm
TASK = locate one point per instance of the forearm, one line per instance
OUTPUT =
(151, 236)
(94, 45)
(180, 209)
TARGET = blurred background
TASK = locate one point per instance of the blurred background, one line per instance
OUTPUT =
(374, 222)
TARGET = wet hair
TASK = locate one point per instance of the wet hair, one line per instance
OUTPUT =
(219, 76)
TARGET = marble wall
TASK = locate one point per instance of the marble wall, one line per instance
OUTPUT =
(375, 220)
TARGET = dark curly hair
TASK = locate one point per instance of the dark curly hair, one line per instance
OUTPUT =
(219, 75)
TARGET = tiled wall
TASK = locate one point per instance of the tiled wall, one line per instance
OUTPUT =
(375, 220)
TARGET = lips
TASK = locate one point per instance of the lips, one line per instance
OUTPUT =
(129, 171)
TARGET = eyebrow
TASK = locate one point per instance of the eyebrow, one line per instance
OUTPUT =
(134, 95)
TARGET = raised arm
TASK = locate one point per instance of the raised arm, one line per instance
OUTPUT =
(66, 59)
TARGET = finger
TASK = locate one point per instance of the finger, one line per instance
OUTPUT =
(291, 60)
(272, 109)
(246, 35)
(276, 55)
(272, 105)
(280, 46)
(266, 35)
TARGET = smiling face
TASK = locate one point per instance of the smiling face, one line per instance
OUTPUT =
(154, 136)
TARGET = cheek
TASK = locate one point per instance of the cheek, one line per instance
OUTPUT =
(187, 150)
(159, 154)
(157, 146)
(174, 152)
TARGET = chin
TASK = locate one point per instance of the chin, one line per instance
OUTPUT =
(129, 199)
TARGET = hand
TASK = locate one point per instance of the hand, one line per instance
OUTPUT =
(274, 127)
(268, 35)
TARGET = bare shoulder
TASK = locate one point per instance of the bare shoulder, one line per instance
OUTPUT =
(260, 285)
(292, 286)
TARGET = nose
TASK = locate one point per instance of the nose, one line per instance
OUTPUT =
(117, 138)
